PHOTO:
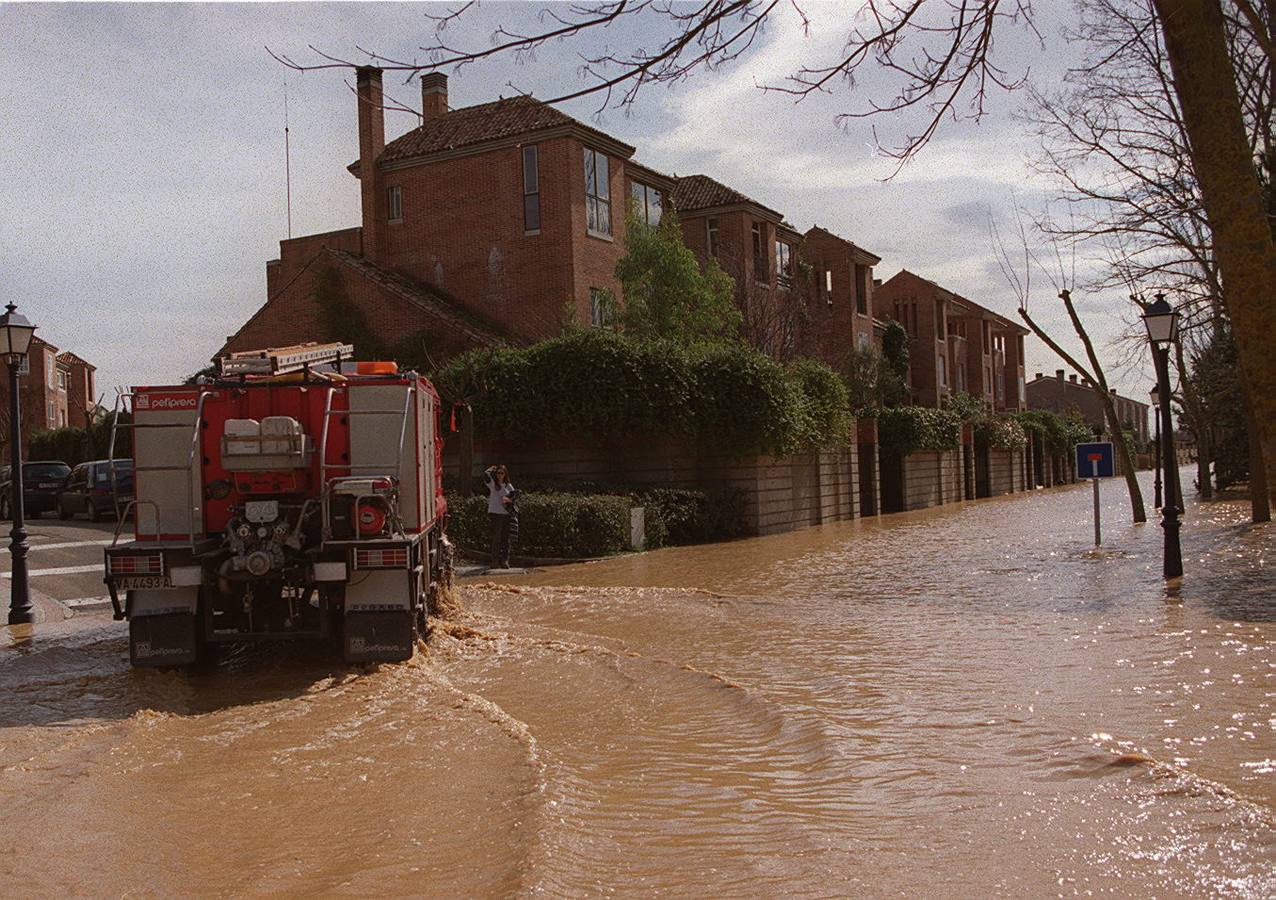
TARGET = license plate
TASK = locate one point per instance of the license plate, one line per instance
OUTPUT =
(47, 485)
(142, 582)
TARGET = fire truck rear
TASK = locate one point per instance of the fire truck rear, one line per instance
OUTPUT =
(296, 494)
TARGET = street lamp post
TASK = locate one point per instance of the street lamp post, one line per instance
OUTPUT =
(15, 340)
(1156, 414)
(1162, 323)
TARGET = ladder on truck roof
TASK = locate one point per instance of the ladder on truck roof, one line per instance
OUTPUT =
(375, 468)
(196, 509)
(282, 360)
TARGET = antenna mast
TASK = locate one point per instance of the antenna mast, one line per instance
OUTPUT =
(287, 160)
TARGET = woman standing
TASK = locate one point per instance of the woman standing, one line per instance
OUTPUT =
(498, 501)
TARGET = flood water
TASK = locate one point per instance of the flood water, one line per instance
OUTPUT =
(965, 701)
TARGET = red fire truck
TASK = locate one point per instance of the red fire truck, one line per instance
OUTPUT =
(296, 494)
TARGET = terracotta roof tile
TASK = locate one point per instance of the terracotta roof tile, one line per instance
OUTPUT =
(478, 124)
(702, 192)
(67, 356)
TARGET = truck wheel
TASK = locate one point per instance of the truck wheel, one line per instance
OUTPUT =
(95, 515)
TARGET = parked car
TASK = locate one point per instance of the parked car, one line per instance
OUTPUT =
(41, 482)
(89, 489)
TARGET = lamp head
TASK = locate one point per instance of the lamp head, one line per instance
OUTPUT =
(1156, 396)
(15, 334)
(1162, 322)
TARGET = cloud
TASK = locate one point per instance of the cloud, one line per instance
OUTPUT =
(149, 142)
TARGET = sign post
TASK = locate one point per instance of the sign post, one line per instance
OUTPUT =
(1098, 460)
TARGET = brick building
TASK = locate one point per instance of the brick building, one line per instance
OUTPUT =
(56, 392)
(1064, 396)
(486, 223)
(955, 345)
(800, 294)
(494, 223)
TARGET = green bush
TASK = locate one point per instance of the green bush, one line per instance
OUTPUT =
(594, 382)
(1059, 433)
(677, 516)
(1003, 432)
(907, 429)
(550, 525)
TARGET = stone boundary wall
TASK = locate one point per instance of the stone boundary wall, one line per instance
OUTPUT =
(780, 493)
(1005, 471)
(933, 478)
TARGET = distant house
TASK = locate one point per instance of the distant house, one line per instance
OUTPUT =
(56, 391)
(955, 344)
(1064, 396)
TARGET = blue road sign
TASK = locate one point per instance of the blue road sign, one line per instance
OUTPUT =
(1095, 460)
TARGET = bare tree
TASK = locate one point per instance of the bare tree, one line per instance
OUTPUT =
(1114, 142)
(1019, 277)
(938, 56)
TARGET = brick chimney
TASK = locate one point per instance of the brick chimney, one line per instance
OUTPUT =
(371, 143)
(1058, 373)
(433, 95)
(1035, 377)
(1073, 378)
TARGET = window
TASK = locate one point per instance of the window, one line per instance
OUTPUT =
(941, 370)
(713, 237)
(861, 290)
(939, 319)
(61, 418)
(783, 263)
(759, 255)
(61, 381)
(597, 194)
(828, 283)
(602, 308)
(862, 338)
(531, 189)
(53, 415)
(394, 204)
(987, 336)
(648, 204)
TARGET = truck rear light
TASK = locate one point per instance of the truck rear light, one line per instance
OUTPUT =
(381, 558)
(135, 564)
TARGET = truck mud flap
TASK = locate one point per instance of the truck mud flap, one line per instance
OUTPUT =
(379, 636)
(164, 640)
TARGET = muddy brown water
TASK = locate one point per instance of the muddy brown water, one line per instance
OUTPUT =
(966, 701)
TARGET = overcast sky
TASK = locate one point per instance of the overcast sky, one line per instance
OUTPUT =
(143, 146)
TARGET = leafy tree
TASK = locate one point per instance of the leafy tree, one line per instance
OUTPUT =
(667, 292)
(895, 355)
(872, 381)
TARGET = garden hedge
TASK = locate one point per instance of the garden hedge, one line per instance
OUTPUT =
(550, 525)
(596, 382)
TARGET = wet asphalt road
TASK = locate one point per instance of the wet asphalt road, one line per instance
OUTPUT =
(65, 560)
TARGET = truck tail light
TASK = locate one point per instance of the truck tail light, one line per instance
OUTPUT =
(135, 564)
(381, 558)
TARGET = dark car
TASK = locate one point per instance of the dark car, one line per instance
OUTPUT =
(90, 489)
(41, 482)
